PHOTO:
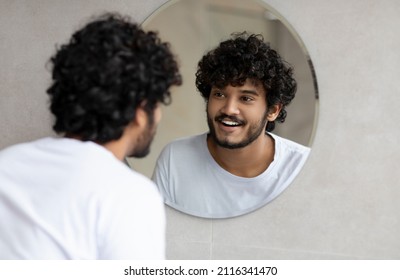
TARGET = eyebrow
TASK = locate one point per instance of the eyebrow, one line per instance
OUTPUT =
(242, 91)
(249, 91)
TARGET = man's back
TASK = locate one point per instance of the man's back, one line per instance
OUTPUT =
(68, 199)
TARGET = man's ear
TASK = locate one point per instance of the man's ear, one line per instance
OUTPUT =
(273, 112)
(140, 117)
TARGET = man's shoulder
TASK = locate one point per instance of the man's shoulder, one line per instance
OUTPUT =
(17, 150)
(188, 142)
(179, 151)
(115, 181)
(190, 139)
(289, 145)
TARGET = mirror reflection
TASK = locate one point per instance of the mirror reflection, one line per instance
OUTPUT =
(230, 162)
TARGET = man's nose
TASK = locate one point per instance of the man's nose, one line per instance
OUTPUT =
(230, 107)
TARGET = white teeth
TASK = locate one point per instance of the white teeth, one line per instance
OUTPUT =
(230, 123)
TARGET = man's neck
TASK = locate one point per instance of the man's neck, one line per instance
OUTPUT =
(249, 161)
(117, 148)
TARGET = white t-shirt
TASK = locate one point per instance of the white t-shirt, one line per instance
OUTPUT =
(191, 181)
(67, 199)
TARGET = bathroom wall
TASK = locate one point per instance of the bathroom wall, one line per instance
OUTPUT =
(343, 205)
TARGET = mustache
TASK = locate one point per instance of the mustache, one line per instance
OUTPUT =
(221, 117)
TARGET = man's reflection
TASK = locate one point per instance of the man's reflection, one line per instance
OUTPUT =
(239, 165)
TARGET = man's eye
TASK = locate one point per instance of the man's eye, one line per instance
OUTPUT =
(218, 94)
(246, 98)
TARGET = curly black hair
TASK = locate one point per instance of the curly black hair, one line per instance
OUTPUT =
(247, 56)
(109, 68)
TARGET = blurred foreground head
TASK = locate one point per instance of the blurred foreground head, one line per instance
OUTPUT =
(100, 77)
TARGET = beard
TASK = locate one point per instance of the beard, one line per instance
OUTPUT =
(142, 147)
(254, 131)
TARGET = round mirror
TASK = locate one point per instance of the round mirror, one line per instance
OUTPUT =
(193, 28)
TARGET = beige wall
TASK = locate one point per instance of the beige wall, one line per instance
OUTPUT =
(344, 204)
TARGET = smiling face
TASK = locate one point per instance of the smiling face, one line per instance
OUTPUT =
(238, 115)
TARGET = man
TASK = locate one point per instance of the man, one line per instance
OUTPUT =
(72, 197)
(239, 165)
